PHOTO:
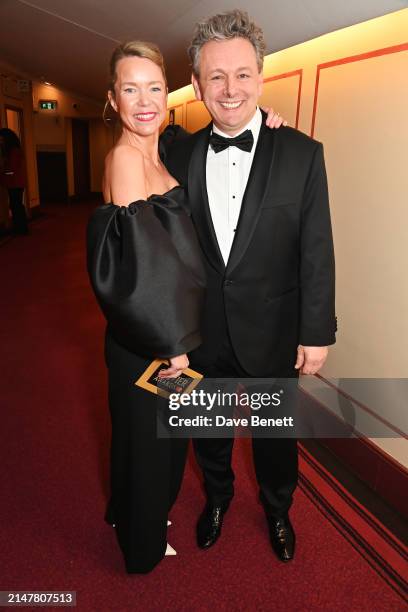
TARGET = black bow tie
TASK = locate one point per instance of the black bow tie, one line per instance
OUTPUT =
(244, 141)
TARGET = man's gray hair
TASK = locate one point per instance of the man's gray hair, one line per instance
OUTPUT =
(225, 26)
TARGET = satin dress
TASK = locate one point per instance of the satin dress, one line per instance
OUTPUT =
(145, 269)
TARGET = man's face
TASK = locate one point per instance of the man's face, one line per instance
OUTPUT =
(229, 83)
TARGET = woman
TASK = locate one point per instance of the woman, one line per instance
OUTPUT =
(144, 265)
(13, 178)
(145, 268)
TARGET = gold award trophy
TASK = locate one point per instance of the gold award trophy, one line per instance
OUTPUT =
(151, 381)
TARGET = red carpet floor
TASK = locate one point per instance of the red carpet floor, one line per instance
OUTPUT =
(54, 460)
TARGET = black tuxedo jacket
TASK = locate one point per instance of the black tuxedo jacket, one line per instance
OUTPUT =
(277, 290)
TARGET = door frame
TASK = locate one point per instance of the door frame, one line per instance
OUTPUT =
(20, 111)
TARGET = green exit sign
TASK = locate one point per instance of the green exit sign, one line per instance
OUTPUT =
(48, 104)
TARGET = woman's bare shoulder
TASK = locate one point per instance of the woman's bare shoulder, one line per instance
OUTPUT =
(124, 179)
(122, 154)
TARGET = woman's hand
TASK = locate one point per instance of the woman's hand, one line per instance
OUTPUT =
(274, 120)
(177, 365)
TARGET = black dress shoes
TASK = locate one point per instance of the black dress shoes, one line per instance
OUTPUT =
(209, 526)
(282, 537)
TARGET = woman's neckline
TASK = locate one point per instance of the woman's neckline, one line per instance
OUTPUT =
(152, 195)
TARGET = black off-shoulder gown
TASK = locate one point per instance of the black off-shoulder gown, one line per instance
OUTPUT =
(145, 269)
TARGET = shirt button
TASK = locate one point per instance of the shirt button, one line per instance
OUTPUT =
(233, 197)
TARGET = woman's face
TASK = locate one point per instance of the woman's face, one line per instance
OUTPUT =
(140, 95)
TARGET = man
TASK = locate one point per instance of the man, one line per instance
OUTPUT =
(259, 203)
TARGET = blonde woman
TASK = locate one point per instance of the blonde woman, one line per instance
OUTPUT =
(145, 268)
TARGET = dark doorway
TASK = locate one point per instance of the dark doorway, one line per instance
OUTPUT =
(52, 176)
(80, 148)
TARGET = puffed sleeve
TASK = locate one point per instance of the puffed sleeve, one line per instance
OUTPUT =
(147, 280)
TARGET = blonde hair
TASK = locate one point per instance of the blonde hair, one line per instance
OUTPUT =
(225, 26)
(133, 48)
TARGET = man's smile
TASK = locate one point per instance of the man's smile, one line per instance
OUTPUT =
(231, 105)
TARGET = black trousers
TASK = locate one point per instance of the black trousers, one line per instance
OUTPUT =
(275, 459)
(18, 211)
(146, 471)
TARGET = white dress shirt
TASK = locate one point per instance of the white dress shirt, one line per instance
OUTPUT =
(227, 176)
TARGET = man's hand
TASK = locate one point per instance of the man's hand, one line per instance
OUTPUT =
(310, 358)
(274, 120)
(177, 365)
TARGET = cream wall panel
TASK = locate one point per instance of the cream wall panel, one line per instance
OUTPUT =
(179, 99)
(197, 116)
(364, 37)
(361, 109)
(282, 94)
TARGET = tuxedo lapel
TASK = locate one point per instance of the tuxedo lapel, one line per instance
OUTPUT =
(255, 191)
(198, 199)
